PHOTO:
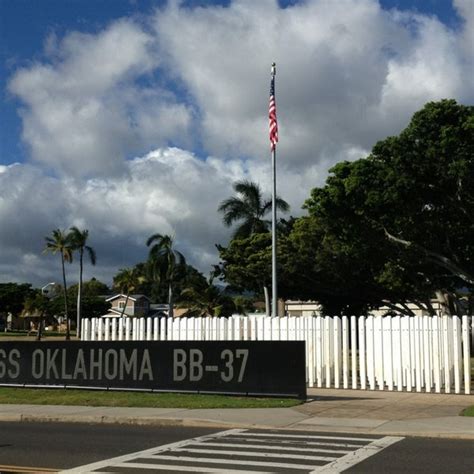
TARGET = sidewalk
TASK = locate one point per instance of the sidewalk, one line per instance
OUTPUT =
(355, 411)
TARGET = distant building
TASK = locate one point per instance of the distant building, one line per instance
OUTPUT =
(302, 308)
(137, 306)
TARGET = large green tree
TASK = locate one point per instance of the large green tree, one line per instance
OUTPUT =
(79, 242)
(60, 242)
(165, 262)
(398, 225)
(248, 208)
(13, 296)
(246, 264)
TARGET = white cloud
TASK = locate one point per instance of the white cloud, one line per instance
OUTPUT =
(167, 191)
(348, 74)
(86, 111)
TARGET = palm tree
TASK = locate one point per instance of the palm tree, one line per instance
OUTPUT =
(60, 242)
(126, 280)
(165, 260)
(250, 208)
(207, 301)
(79, 240)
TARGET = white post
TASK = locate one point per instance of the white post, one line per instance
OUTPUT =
(127, 329)
(319, 351)
(436, 355)
(417, 354)
(381, 355)
(429, 353)
(354, 351)
(94, 329)
(311, 352)
(85, 336)
(398, 322)
(114, 329)
(337, 351)
(362, 353)
(100, 330)
(466, 355)
(327, 350)
(387, 329)
(371, 351)
(447, 365)
(456, 352)
(149, 329)
(345, 352)
(106, 329)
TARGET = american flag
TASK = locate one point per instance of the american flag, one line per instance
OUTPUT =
(272, 115)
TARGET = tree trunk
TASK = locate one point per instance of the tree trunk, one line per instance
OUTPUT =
(170, 302)
(267, 300)
(79, 296)
(40, 327)
(68, 333)
(125, 306)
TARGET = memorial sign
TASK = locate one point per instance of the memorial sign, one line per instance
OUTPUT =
(240, 367)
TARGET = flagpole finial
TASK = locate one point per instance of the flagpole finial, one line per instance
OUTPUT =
(273, 69)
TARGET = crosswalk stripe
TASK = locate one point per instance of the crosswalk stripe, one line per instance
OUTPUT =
(174, 467)
(261, 442)
(264, 455)
(275, 435)
(237, 451)
(349, 460)
(127, 457)
(230, 461)
(280, 448)
(306, 443)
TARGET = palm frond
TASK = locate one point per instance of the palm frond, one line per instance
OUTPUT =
(92, 254)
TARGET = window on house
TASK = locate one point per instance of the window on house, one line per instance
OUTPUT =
(121, 304)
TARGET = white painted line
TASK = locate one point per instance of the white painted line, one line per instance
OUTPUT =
(173, 467)
(231, 461)
(274, 435)
(280, 448)
(128, 457)
(249, 454)
(290, 442)
(357, 456)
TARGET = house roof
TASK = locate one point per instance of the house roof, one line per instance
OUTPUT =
(130, 297)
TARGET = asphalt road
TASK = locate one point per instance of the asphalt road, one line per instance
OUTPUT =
(58, 446)
(62, 445)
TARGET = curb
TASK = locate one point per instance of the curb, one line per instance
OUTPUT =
(194, 422)
(139, 421)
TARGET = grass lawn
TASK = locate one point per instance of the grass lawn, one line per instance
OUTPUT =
(135, 399)
(25, 336)
(469, 411)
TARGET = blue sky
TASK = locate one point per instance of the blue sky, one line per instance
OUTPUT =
(131, 117)
(25, 25)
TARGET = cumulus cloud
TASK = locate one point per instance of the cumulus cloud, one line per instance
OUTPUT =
(84, 109)
(168, 190)
(348, 74)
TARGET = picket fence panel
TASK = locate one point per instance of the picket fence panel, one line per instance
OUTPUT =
(422, 353)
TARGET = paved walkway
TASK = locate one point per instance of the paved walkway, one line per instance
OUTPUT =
(389, 413)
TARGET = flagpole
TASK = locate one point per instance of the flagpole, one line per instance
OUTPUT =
(274, 218)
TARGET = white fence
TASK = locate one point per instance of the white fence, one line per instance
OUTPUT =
(423, 353)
